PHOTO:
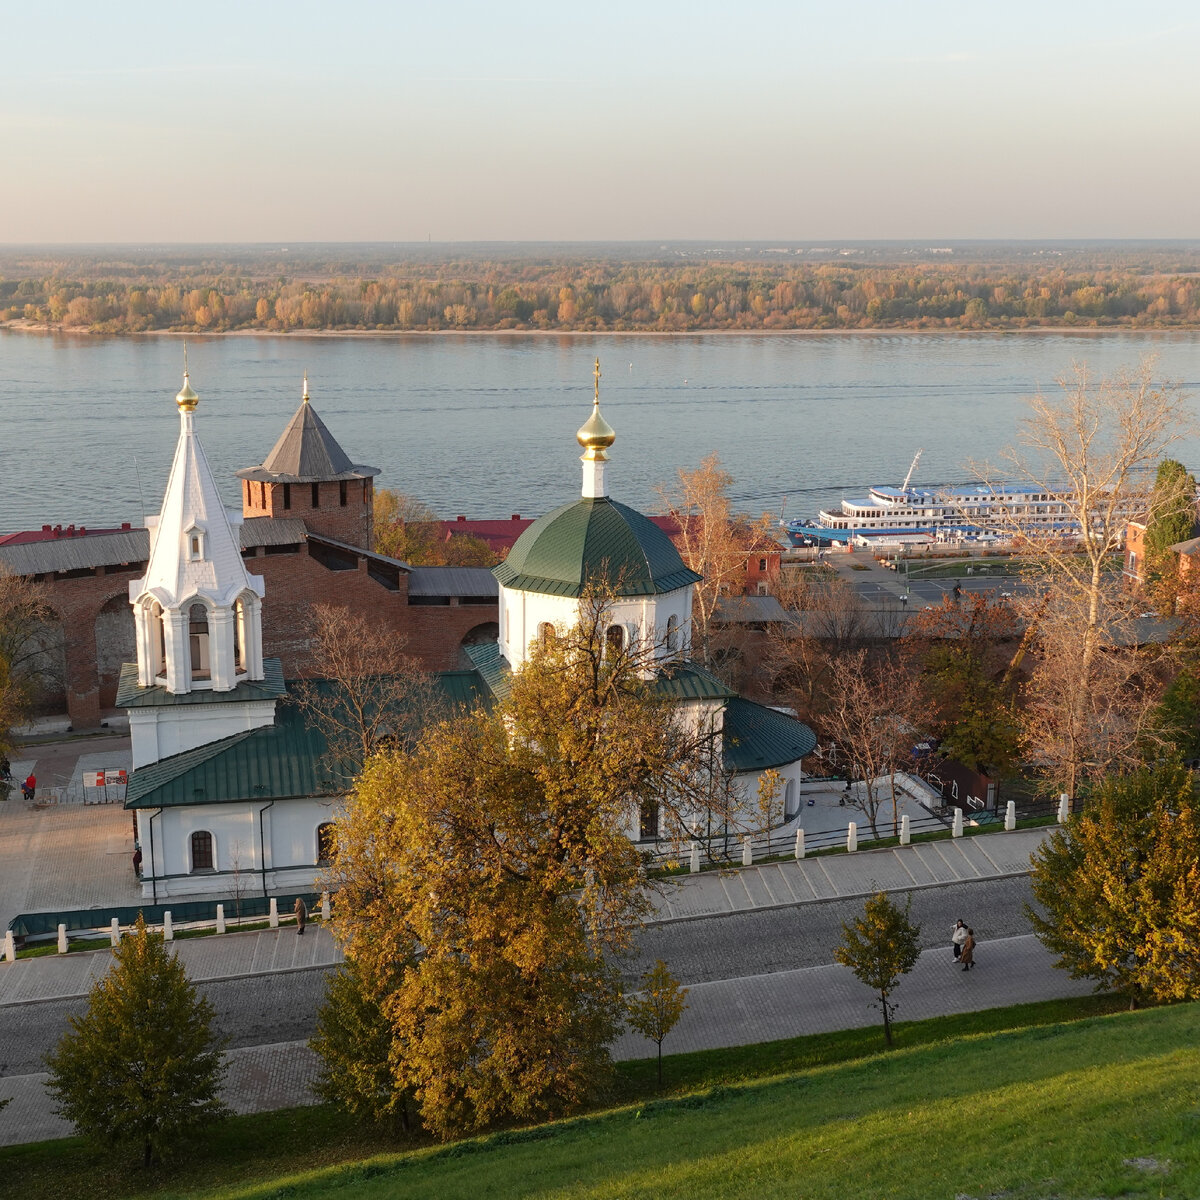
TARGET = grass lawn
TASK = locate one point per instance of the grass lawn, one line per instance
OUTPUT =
(1048, 1099)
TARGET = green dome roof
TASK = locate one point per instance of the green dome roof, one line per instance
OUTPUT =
(589, 540)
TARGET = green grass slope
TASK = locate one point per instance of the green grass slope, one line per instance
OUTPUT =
(1057, 1111)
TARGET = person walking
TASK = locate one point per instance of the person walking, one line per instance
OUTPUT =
(29, 787)
(137, 861)
(968, 951)
(301, 915)
(958, 936)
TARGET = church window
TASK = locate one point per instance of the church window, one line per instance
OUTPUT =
(194, 544)
(316, 495)
(614, 638)
(326, 843)
(648, 820)
(342, 493)
(545, 635)
(202, 851)
(287, 495)
(789, 800)
(673, 633)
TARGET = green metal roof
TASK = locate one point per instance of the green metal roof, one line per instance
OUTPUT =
(757, 737)
(690, 682)
(594, 540)
(270, 687)
(491, 669)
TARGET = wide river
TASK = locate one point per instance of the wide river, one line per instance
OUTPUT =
(485, 425)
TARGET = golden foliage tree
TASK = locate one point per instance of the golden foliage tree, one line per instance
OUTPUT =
(498, 846)
(1118, 887)
(656, 1009)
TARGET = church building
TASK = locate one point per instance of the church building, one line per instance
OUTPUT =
(231, 789)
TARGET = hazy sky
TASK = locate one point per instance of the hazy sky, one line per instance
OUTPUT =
(349, 121)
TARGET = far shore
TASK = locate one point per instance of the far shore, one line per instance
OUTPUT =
(1089, 330)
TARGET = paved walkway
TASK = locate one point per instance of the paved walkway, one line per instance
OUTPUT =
(730, 1012)
(845, 876)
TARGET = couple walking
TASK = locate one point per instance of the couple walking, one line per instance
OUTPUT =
(963, 941)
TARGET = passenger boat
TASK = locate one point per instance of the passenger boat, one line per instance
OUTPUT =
(911, 515)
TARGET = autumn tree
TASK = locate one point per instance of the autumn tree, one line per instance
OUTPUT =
(1118, 887)
(655, 1010)
(869, 718)
(28, 641)
(365, 692)
(880, 947)
(409, 530)
(1171, 519)
(714, 543)
(498, 845)
(141, 1068)
(1090, 448)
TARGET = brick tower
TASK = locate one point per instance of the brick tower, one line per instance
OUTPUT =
(308, 476)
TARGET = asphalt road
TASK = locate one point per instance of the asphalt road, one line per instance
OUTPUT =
(262, 1009)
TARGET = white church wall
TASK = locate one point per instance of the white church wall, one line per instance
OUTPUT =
(286, 830)
(159, 731)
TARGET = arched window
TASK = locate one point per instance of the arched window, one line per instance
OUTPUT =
(673, 633)
(648, 823)
(326, 843)
(198, 640)
(789, 799)
(614, 638)
(546, 635)
(202, 851)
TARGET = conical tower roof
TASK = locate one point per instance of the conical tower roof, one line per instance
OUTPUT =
(307, 453)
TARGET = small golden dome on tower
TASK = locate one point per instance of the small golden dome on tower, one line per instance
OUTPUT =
(187, 399)
(596, 434)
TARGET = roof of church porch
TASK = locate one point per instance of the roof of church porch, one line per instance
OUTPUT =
(306, 452)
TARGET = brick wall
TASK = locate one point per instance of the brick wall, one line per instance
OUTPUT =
(344, 509)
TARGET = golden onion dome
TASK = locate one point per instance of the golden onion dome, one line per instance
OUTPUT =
(187, 399)
(596, 434)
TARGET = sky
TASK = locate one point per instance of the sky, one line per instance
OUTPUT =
(504, 120)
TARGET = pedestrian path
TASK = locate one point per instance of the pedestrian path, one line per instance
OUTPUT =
(728, 1012)
(688, 898)
(996, 855)
(225, 956)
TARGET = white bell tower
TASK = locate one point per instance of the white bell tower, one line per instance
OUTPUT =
(197, 610)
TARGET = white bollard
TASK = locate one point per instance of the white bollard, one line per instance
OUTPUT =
(1010, 816)
(114, 934)
(62, 939)
(274, 915)
(694, 863)
(10, 947)
(324, 906)
(851, 837)
(168, 928)
(220, 918)
(1064, 808)
(747, 851)
(956, 829)
(905, 830)
(799, 843)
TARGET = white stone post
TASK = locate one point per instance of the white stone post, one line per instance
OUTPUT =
(62, 939)
(10, 947)
(1064, 808)
(274, 915)
(957, 828)
(1010, 816)
(694, 863)
(851, 837)
(168, 928)
(324, 906)
(220, 918)
(799, 843)
(114, 934)
(747, 851)
(905, 830)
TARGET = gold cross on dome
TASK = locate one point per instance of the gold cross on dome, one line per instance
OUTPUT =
(596, 376)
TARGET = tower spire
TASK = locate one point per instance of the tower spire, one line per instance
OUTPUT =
(595, 436)
(304, 398)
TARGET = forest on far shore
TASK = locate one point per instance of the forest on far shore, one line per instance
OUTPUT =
(220, 290)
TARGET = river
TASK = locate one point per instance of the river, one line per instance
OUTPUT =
(484, 425)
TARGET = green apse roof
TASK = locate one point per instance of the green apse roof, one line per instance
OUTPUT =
(757, 737)
(594, 540)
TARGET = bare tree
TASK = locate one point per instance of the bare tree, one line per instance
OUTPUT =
(868, 717)
(28, 640)
(365, 692)
(1092, 447)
